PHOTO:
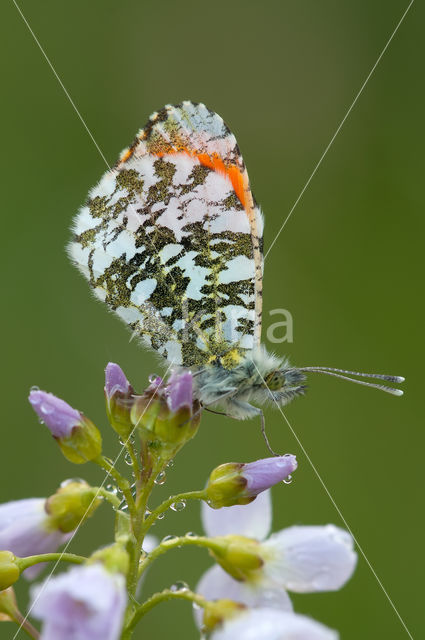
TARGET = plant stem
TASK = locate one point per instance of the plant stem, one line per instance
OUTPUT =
(26, 626)
(164, 506)
(176, 543)
(29, 561)
(134, 460)
(163, 596)
(121, 482)
(110, 497)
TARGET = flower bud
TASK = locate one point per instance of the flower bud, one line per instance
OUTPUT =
(168, 413)
(239, 556)
(77, 436)
(118, 396)
(236, 483)
(9, 569)
(72, 503)
(217, 611)
(113, 557)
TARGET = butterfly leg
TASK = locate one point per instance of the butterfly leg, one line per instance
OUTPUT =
(218, 413)
(264, 434)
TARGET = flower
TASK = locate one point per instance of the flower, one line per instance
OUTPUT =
(118, 395)
(271, 624)
(236, 483)
(167, 414)
(115, 380)
(26, 529)
(300, 559)
(76, 435)
(179, 390)
(87, 602)
(216, 583)
(306, 559)
(56, 414)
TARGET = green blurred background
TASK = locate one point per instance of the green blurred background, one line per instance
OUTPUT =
(348, 264)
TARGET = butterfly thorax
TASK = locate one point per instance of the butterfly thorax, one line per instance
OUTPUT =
(259, 377)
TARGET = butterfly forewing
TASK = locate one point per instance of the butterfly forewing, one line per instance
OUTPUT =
(170, 239)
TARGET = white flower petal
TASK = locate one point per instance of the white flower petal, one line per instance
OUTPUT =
(308, 559)
(85, 603)
(149, 543)
(252, 520)
(270, 624)
(216, 584)
(25, 532)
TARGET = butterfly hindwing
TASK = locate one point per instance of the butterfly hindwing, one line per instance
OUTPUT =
(170, 238)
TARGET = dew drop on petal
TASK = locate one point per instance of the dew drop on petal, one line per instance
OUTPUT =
(46, 409)
(287, 480)
(35, 388)
(161, 478)
(153, 377)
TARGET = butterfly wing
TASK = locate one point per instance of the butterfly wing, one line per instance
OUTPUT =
(170, 238)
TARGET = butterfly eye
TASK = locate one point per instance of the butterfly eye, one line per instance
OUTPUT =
(275, 380)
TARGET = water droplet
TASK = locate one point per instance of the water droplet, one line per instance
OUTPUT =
(112, 489)
(168, 539)
(147, 513)
(127, 458)
(179, 586)
(179, 505)
(191, 534)
(46, 409)
(41, 421)
(170, 463)
(161, 478)
(68, 481)
(121, 441)
(124, 508)
(287, 480)
(34, 388)
(161, 516)
(153, 377)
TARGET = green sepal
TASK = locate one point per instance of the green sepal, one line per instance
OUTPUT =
(9, 569)
(71, 504)
(84, 443)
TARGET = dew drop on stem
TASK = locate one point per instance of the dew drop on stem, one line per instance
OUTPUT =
(179, 505)
(161, 478)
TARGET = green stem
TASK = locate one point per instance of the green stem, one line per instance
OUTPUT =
(134, 460)
(29, 561)
(26, 626)
(163, 596)
(138, 528)
(164, 506)
(110, 497)
(176, 543)
(121, 482)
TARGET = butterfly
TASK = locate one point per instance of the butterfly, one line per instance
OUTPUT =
(171, 240)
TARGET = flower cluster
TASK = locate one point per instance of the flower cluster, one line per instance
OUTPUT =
(244, 594)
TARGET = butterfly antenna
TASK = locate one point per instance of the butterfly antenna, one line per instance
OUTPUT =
(337, 373)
